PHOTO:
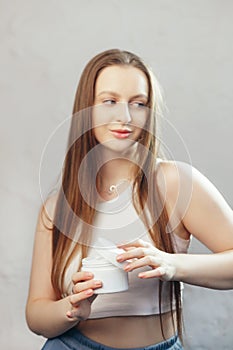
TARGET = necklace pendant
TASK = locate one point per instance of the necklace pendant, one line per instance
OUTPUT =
(112, 189)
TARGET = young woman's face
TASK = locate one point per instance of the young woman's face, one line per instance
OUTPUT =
(120, 112)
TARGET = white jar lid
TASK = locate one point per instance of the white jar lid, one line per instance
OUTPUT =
(109, 251)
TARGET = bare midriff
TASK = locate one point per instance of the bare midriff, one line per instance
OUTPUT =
(128, 331)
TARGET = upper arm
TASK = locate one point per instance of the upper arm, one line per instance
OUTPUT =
(200, 206)
(40, 279)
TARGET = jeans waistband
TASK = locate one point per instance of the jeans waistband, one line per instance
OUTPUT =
(91, 344)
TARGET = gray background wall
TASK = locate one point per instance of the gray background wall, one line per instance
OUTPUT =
(44, 47)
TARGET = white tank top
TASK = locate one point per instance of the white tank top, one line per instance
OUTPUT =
(118, 221)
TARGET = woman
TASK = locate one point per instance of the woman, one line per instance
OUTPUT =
(113, 152)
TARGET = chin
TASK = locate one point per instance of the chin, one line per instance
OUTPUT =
(118, 145)
(127, 148)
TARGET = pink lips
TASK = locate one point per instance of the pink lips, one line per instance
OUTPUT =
(121, 133)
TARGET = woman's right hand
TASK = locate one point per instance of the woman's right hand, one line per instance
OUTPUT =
(83, 295)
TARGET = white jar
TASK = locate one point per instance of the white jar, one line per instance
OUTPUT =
(114, 279)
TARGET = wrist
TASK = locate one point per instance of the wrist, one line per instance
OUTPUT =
(177, 263)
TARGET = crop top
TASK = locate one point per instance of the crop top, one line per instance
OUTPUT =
(118, 221)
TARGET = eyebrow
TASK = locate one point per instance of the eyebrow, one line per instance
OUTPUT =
(117, 95)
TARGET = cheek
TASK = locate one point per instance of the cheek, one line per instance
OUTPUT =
(100, 121)
(139, 120)
(98, 133)
(100, 116)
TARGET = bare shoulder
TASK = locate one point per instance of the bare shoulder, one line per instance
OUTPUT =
(172, 174)
(201, 207)
(174, 182)
(178, 177)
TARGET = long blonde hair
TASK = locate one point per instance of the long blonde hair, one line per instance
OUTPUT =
(63, 247)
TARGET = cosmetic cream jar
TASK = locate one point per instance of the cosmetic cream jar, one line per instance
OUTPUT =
(114, 278)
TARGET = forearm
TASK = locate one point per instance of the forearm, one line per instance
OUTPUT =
(205, 270)
(48, 318)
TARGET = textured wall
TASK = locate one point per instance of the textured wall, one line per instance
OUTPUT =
(44, 46)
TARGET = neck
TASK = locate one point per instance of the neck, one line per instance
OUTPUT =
(116, 170)
(114, 177)
(115, 166)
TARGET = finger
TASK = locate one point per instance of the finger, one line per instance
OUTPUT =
(158, 272)
(81, 276)
(134, 253)
(75, 299)
(81, 286)
(152, 261)
(128, 248)
(74, 313)
(135, 244)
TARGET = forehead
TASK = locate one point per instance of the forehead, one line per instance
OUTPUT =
(123, 80)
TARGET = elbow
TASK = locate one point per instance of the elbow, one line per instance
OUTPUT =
(35, 328)
(31, 320)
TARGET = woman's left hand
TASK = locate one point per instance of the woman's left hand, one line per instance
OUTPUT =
(144, 253)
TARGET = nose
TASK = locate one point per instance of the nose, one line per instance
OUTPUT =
(123, 113)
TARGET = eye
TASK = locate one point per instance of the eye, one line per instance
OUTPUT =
(137, 104)
(109, 101)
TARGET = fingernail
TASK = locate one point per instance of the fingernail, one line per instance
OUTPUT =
(98, 283)
(68, 314)
(119, 258)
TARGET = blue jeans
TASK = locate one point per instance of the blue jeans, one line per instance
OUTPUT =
(74, 340)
